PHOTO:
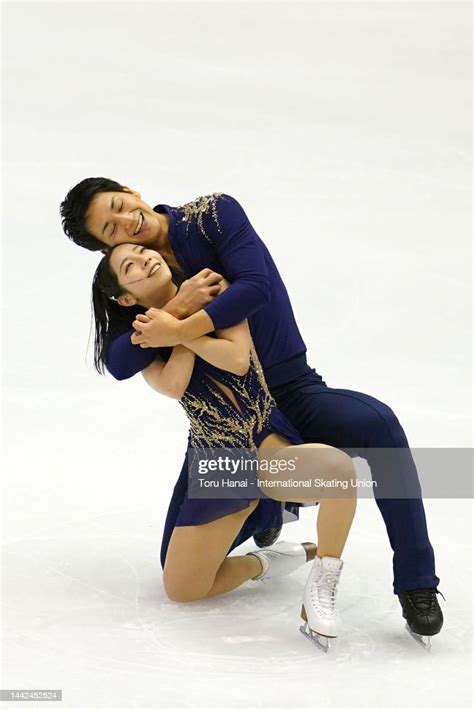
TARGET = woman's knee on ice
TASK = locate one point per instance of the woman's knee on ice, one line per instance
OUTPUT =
(187, 582)
(183, 589)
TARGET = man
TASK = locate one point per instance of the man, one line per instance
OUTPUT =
(214, 233)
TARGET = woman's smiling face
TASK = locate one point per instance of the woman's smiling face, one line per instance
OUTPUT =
(143, 274)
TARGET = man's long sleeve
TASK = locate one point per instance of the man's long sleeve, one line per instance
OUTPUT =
(123, 359)
(243, 263)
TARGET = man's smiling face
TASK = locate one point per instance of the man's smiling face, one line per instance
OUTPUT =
(123, 218)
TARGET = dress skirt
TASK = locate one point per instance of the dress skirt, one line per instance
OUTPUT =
(184, 511)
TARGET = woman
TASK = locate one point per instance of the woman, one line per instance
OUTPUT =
(219, 382)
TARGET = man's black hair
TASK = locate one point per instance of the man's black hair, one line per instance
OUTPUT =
(74, 207)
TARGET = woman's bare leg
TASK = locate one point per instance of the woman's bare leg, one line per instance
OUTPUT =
(196, 565)
(234, 568)
(335, 515)
(334, 523)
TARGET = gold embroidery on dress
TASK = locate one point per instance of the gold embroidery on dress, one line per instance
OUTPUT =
(259, 370)
(225, 426)
(198, 208)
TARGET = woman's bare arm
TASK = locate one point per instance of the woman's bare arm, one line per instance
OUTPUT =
(172, 377)
(230, 350)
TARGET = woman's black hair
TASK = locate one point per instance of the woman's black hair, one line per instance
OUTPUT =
(110, 318)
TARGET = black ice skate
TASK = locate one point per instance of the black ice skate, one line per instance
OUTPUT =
(267, 537)
(423, 614)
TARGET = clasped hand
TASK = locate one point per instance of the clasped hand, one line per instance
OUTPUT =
(155, 329)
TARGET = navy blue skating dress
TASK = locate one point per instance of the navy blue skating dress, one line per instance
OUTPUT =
(217, 423)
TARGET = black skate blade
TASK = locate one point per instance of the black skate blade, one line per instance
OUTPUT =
(423, 641)
(321, 642)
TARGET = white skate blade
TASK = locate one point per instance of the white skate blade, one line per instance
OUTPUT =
(423, 641)
(322, 642)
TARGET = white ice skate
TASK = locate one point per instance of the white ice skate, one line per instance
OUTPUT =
(319, 602)
(283, 558)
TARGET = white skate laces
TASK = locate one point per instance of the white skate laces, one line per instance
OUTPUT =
(319, 601)
(323, 592)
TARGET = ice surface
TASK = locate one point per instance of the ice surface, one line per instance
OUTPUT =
(85, 611)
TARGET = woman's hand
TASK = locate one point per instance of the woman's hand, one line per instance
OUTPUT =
(195, 293)
(155, 329)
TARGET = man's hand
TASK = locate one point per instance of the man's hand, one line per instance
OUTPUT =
(155, 329)
(195, 293)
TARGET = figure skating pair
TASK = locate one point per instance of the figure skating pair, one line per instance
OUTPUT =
(205, 238)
